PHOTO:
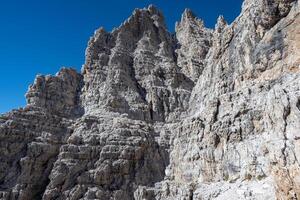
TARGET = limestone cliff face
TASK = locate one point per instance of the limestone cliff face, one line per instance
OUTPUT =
(201, 114)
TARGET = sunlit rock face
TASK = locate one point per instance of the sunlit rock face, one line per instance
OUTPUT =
(199, 114)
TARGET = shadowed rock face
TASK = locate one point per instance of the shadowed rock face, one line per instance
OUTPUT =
(201, 114)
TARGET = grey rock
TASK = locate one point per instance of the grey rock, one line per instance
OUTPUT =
(201, 114)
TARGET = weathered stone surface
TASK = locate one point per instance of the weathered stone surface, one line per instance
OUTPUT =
(57, 94)
(194, 43)
(201, 114)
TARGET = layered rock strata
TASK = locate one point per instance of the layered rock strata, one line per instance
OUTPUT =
(199, 114)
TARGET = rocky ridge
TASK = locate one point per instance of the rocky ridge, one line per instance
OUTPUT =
(199, 114)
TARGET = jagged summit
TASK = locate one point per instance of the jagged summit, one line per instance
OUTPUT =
(188, 13)
(202, 114)
(144, 16)
(189, 16)
(221, 23)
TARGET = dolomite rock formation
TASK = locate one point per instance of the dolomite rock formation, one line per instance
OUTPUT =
(201, 114)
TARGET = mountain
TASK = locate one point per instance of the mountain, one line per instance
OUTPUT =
(199, 114)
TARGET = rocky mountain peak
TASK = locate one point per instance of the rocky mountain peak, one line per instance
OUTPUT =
(57, 94)
(188, 18)
(192, 51)
(145, 18)
(202, 114)
(221, 24)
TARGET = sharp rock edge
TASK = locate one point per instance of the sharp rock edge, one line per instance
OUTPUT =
(199, 114)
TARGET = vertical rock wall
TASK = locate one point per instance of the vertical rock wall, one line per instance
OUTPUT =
(199, 114)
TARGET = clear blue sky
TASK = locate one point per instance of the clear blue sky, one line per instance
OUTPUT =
(40, 36)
